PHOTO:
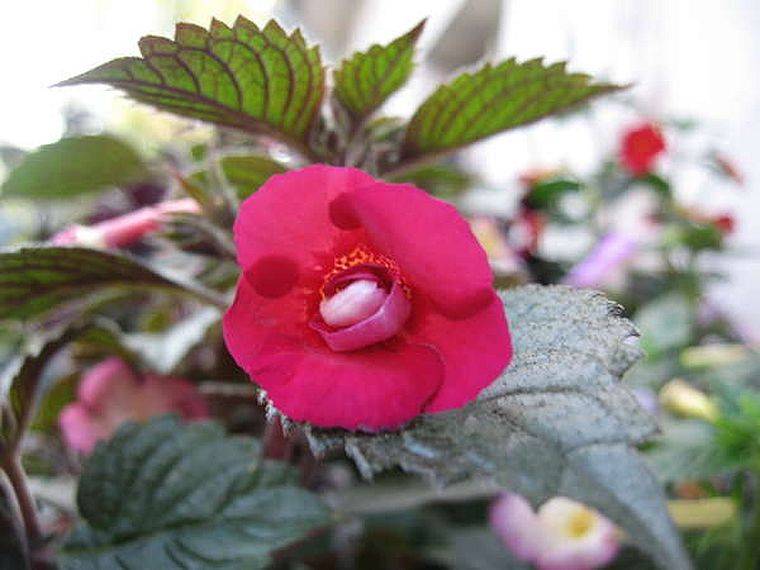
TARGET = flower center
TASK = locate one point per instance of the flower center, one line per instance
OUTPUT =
(580, 523)
(363, 305)
(354, 303)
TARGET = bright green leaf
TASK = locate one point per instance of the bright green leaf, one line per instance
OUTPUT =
(494, 99)
(364, 81)
(254, 80)
(557, 422)
(74, 166)
(246, 173)
(35, 279)
(172, 496)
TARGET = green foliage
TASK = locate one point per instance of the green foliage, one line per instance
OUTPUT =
(686, 451)
(35, 279)
(21, 381)
(255, 80)
(74, 166)
(494, 99)
(439, 179)
(167, 495)
(666, 324)
(245, 173)
(556, 422)
(364, 81)
(738, 431)
(546, 194)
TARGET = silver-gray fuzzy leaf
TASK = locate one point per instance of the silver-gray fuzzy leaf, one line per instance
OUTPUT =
(557, 422)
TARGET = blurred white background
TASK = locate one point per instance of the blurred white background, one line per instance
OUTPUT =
(687, 58)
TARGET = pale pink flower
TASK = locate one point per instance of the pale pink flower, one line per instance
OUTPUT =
(111, 393)
(561, 535)
(123, 231)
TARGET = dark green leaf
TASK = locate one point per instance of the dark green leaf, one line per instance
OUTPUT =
(172, 496)
(367, 79)
(658, 183)
(74, 166)
(547, 193)
(246, 173)
(35, 279)
(494, 99)
(557, 422)
(255, 80)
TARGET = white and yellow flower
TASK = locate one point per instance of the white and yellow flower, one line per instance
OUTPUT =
(561, 535)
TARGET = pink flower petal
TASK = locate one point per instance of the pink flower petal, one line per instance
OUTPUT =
(513, 520)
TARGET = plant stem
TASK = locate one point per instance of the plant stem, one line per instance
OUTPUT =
(15, 518)
(17, 477)
(749, 558)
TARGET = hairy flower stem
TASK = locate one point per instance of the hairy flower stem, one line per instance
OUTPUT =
(276, 445)
(17, 477)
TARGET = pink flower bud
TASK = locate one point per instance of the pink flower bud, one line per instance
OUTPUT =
(111, 393)
(123, 231)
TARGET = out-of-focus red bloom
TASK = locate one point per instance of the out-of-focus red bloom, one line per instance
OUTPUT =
(362, 304)
(725, 223)
(110, 394)
(640, 147)
(123, 231)
(728, 168)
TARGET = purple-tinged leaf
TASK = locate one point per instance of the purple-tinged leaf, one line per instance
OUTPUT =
(365, 80)
(495, 99)
(257, 80)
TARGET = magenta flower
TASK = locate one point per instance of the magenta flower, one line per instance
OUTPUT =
(610, 254)
(561, 535)
(111, 393)
(362, 304)
(123, 231)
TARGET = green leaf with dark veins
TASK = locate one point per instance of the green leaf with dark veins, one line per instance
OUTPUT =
(36, 279)
(173, 496)
(365, 80)
(557, 421)
(257, 80)
(74, 166)
(245, 173)
(495, 99)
